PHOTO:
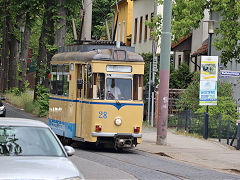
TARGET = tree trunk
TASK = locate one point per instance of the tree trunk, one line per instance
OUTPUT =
(14, 56)
(61, 24)
(25, 48)
(44, 56)
(5, 52)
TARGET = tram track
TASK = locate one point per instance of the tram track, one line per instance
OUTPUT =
(169, 175)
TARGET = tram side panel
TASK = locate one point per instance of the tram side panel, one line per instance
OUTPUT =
(62, 116)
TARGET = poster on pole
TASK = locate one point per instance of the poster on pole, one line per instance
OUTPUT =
(208, 93)
(208, 80)
(209, 68)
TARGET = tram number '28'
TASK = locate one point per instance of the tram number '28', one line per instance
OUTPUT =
(102, 115)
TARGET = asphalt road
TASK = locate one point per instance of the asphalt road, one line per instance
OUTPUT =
(132, 164)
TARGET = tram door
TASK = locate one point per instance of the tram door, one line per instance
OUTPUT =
(80, 94)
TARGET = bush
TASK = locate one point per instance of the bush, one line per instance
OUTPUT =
(189, 99)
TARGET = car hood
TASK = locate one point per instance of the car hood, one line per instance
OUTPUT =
(20, 167)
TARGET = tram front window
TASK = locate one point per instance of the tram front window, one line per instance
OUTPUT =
(119, 89)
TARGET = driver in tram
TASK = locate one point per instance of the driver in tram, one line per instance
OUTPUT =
(113, 91)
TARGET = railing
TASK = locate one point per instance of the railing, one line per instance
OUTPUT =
(222, 129)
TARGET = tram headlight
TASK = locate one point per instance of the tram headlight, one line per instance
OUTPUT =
(118, 121)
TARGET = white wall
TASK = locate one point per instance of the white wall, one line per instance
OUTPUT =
(143, 8)
(201, 34)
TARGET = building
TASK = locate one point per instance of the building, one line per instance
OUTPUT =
(124, 23)
(141, 34)
(189, 49)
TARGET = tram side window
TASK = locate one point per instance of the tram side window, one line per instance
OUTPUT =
(53, 87)
(60, 80)
(137, 87)
(89, 82)
(98, 85)
(66, 80)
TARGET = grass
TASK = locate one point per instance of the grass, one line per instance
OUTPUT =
(23, 101)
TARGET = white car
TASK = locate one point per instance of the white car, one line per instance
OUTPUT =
(29, 149)
(2, 109)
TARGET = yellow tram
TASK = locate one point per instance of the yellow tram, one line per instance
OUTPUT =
(96, 96)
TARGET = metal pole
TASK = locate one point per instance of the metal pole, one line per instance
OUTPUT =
(154, 56)
(149, 91)
(206, 117)
(164, 70)
(220, 128)
(238, 136)
(152, 114)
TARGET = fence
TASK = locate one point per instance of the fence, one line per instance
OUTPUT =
(194, 123)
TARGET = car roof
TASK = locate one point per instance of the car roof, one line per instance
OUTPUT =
(21, 122)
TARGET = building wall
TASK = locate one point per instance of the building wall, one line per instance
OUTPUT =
(124, 28)
(141, 8)
(201, 34)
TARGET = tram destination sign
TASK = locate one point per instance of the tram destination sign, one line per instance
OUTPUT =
(226, 73)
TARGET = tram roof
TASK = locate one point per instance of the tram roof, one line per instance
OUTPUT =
(100, 54)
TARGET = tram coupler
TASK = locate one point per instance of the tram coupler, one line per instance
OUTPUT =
(123, 143)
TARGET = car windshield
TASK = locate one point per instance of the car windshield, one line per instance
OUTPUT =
(119, 89)
(28, 141)
(1, 104)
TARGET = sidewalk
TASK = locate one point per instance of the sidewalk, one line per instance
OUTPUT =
(196, 151)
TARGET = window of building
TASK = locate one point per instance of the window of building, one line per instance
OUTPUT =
(135, 31)
(140, 29)
(179, 60)
(145, 31)
(137, 87)
(152, 15)
(123, 32)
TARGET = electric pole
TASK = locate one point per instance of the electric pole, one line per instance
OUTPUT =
(87, 22)
(164, 70)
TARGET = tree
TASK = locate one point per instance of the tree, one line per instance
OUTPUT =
(180, 78)
(101, 11)
(226, 106)
(187, 14)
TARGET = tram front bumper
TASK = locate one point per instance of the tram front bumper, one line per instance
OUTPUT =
(102, 134)
(120, 140)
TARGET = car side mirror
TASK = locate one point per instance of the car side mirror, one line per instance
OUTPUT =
(70, 151)
(80, 84)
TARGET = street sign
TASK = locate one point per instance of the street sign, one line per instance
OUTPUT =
(155, 61)
(226, 73)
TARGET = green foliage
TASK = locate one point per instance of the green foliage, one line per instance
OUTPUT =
(148, 57)
(16, 91)
(187, 14)
(180, 78)
(156, 23)
(101, 10)
(42, 100)
(189, 99)
(228, 37)
(225, 106)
